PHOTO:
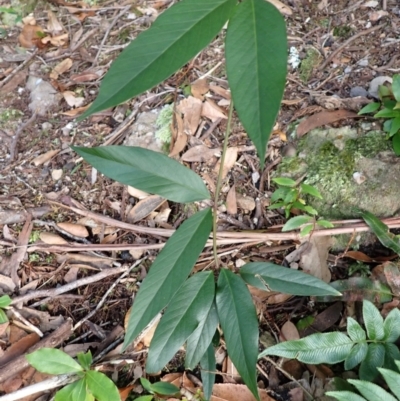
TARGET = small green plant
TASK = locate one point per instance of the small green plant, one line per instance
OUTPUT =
(90, 384)
(288, 197)
(390, 109)
(156, 389)
(5, 301)
(372, 348)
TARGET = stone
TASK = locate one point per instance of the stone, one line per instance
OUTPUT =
(351, 168)
(358, 91)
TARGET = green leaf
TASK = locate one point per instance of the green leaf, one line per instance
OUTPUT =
(369, 108)
(392, 353)
(387, 125)
(306, 230)
(372, 391)
(284, 181)
(386, 113)
(176, 36)
(291, 196)
(277, 205)
(145, 398)
(239, 323)
(396, 143)
(164, 388)
(396, 87)
(314, 349)
(391, 326)
(356, 355)
(146, 384)
(309, 189)
(85, 359)
(3, 317)
(395, 127)
(355, 331)
(53, 361)
(5, 301)
(373, 321)
(188, 308)
(310, 210)
(296, 222)
(280, 193)
(75, 391)
(381, 230)
(207, 365)
(256, 64)
(199, 341)
(345, 396)
(325, 223)
(168, 272)
(146, 170)
(101, 386)
(374, 359)
(270, 277)
(392, 379)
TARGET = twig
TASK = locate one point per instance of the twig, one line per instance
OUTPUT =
(68, 287)
(113, 22)
(25, 321)
(345, 44)
(108, 292)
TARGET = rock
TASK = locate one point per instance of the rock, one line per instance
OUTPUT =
(358, 91)
(56, 174)
(351, 169)
(245, 202)
(375, 83)
(43, 95)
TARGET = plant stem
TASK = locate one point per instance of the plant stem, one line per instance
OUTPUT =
(219, 183)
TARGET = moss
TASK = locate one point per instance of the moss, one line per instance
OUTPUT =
(164, 121)
(342, 31)
(308, 64)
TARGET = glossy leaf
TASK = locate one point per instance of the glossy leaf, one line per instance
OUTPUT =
(296, 222)
(188, 308)
(371, 391)
(176, 36)
(314, 349)
(369, 108)
(345, 396)
(392, 353)
(53, 361)
(5, 301)
(169, 271)
(256, 63)
(270, 277)
(85, 359)
(199, 341)
(207, 365)
(374, 359)
(355, 331)
(3, 317)
(238, 319)
(284, 181)
(101, 386)
(386, 113)
(75, 391)
(164, 388)
(306, 230)
(356, 355)
(146, 384)
(373, 321)
(396, 143)
(395, 126)
(309, 189)
(325, 223)
(396, 87)
(392, 379)
(391, 326)
(146, 170)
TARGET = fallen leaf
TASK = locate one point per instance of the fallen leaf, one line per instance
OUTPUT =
(191, 110)
(357, 255)
(323, 118)
(392, 274)
(377, 15)
(52, 239)
(30, 36)
(245, 202)
(225, 93)
(324, 320)
(75, 229)
(86, 76)
(179, 138)
(289, 332)
(58, 41)
(60, 68)
(53, 25)
(72, 100)
(77, 111)
(282, 8)
(137, 193)
(17, 79)
(212, 111)
(229, 162)
(144, 207)
(231, 204)
(236, 392)
(199, 88)
(199, 153)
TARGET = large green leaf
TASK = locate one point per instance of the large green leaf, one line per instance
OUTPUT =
(53, 361)
(169, 271)
(175, 37)
(371, 391)
(101, 386)
(5, 300)
(146, 170)
(238, 319)
(270, 277)
(314, 349)
(345, 396)
(75, 391)
(396, 87)
(391, 326)
(199, 341)
(188, 309)
(207, 364)
(381, 230)
(373, 321)
(355, 331)
(392, 379)
(356, 355)
(374, 359)
(256, 59)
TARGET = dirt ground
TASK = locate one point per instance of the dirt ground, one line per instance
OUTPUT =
(80, 276)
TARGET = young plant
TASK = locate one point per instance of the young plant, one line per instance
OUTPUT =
(390, 103)
(372, 348)
(156, 389)
(5, 301)
(288, 197)
(90, 384)
(256, 54)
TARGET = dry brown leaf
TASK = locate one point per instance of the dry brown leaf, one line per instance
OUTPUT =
(53, 25)
(85, 77)
(52, 239)
(72, 274)
(190, 107)
(236, 392)
(229, 162)
(357, 255)
(199, 153)
(162, 217)
(77, 111)
(323, 118)
(314, 257)
(124, 392)
(30, 36)
(231, 204)
(72, 100)
(109, 239)
(289, 332)
(19, 346)
(75, 229)
(221, 91)
(58, 41)
(212, 111)
(137, 193)
(199, 88)
(144, 207)
(17, 79)
(392, 274)
(61, 67)
(245, 202)
(179, 138)
(282, 8)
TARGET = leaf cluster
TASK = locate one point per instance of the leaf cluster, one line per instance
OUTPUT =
(390, 109)
(288, 196)
(371, 348)
(90, 384)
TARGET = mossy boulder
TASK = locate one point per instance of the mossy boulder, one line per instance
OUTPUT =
(353, 168)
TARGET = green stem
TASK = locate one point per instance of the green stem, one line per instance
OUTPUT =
(219, 183)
